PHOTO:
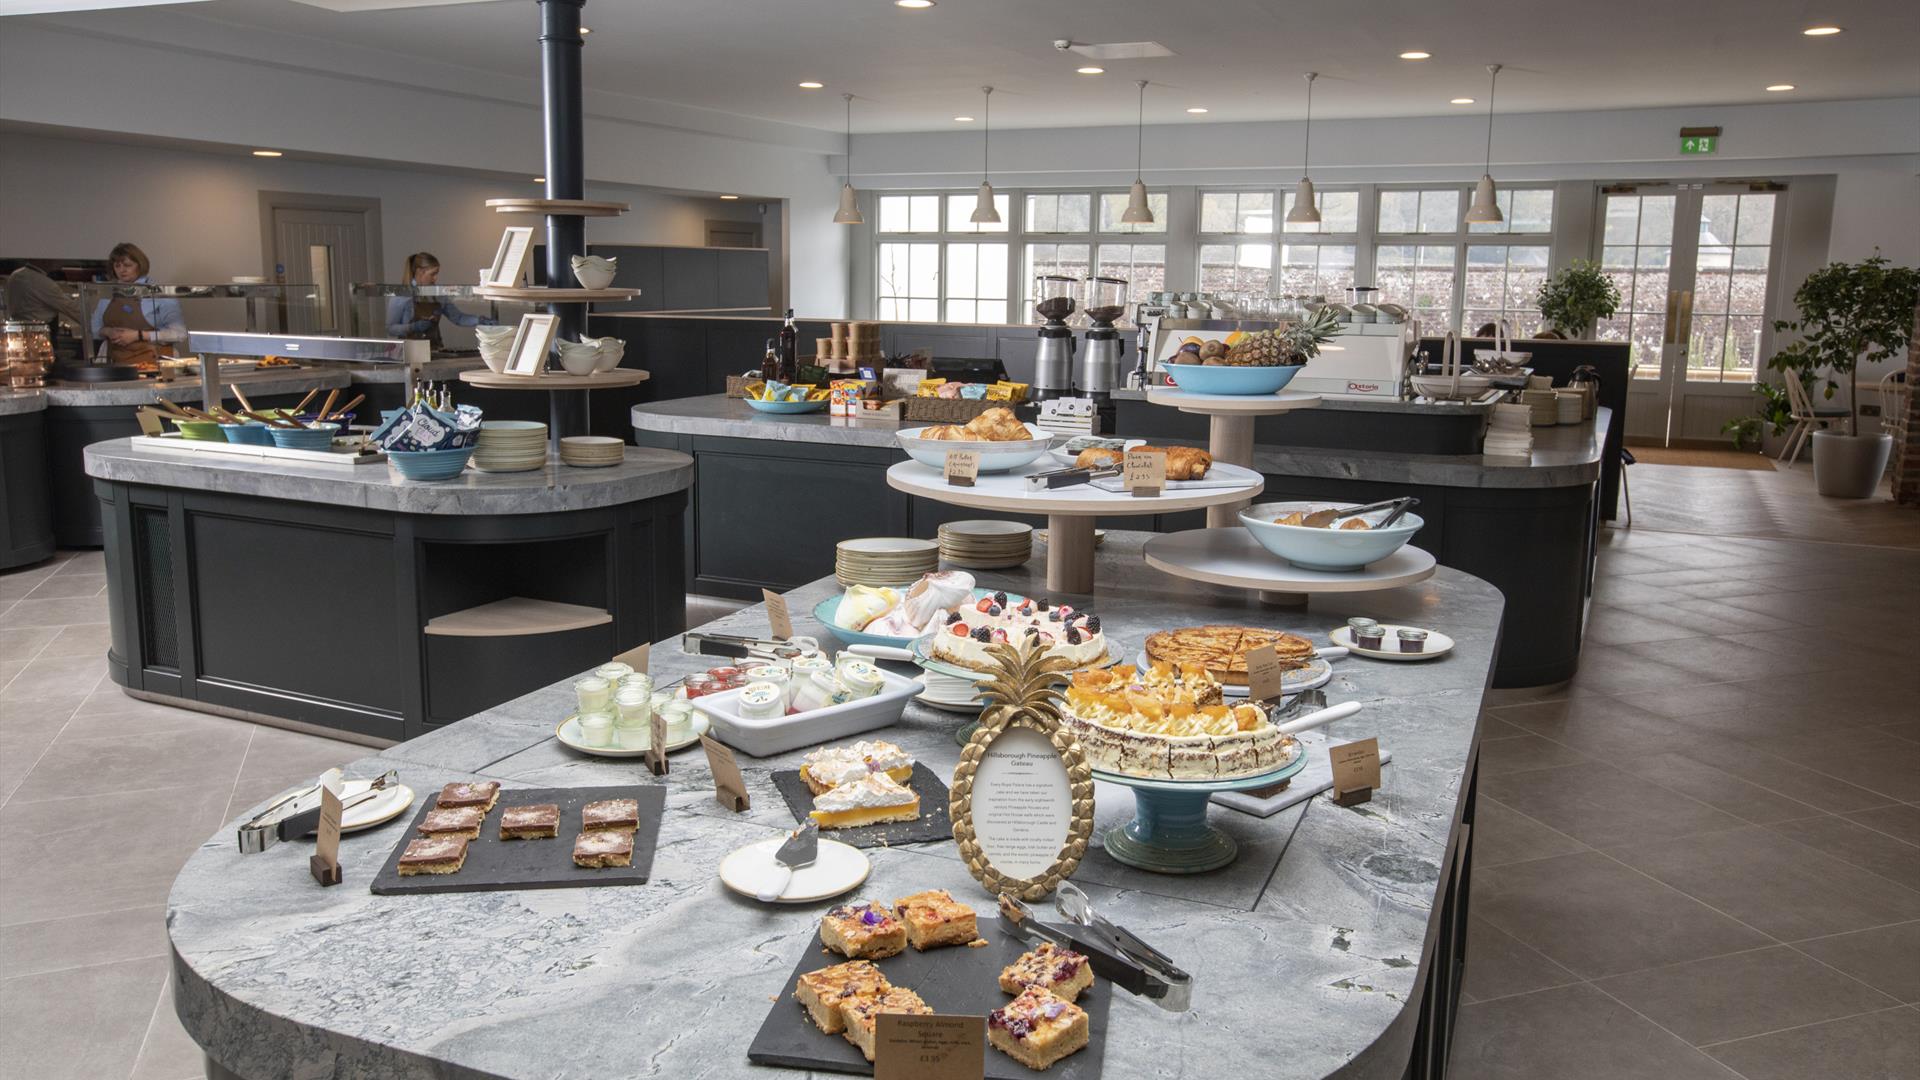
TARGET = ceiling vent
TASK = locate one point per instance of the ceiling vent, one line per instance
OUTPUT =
(1117, 50)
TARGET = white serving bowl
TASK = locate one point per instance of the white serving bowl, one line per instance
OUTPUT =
(994, 456)
(611, 350)
(496, 344)
(1332, 549)
(578, 359)
(593, 271)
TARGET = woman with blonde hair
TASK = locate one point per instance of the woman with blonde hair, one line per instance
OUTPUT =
(135, 328)
(419, 316)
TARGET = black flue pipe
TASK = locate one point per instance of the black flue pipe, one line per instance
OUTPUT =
(562, 109)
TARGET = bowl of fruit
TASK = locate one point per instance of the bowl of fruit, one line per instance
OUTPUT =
(1250, 363)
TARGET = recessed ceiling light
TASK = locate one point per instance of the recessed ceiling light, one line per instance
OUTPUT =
(539, 179)
(1779, 86)
(1090, 70)
(266, 153)
(585, 30)
(811, 85)
(1416, 55)
(1821, 31)
(914, 4)
(729, 198)
(1460, 101)
(1197, 110)
(963, 119)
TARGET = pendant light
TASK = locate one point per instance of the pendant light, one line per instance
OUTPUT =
(1485, 211)
(1306, 210)
(983, 208)
(849, 212)
(1138, 212)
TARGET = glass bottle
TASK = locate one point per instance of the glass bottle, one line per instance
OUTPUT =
(789, 351)
(770, 365)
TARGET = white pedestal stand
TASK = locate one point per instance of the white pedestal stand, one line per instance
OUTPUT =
(1230, 427)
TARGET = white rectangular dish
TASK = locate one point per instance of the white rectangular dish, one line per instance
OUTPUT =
(764, 738)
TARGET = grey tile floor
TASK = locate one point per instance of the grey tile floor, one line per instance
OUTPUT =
(1701, 859)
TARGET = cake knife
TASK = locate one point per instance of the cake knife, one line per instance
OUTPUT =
(800, 850)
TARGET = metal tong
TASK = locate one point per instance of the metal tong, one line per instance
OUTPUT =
(1068, 477)
(739, 646)
(1115, 952)
(280, 821)
(1321, 519)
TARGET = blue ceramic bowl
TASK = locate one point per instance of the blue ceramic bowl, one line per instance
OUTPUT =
(430, 464)
(1326, 549)
(1231, 381)
(825, 609)
(252, 433)
(306, 438)
(785, 406)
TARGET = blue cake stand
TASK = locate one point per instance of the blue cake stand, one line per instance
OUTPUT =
(1169, 833)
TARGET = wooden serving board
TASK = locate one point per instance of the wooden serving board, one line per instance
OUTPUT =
(933, 823)
(954, 980)
(494, 864)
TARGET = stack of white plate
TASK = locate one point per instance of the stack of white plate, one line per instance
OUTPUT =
(884, 560)
(592, 451)
(510, 446)
(986, 544)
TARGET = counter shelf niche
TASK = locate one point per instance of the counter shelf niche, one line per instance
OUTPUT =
(1230, 428)
(517, 616)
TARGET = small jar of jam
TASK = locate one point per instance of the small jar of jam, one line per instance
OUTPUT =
(1358, 622)
(1412, 639)
(1369, 637)
(700, 684)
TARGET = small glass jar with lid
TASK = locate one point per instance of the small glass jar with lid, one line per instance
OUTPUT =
(1412, 639)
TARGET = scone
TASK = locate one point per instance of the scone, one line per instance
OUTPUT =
(863, 931)
(934, 918)
(871, 800)
(861, 1013)
(1037, 1029)
(822, 991)
(1061, 972)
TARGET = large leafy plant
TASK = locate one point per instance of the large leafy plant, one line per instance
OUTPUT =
(1577, 297)
(1849, 313)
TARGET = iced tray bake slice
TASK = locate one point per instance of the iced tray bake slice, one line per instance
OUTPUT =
(866, 930)
(1037, 1029)
(822, 991)
(934, 918)
(862, 1013)
(872, 799)
(1061, 972)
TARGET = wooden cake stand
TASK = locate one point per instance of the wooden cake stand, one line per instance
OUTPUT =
(1070, 511)
(1234, 558)
(1230, 426)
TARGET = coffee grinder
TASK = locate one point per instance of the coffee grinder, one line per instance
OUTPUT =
(1053, 364)
(1100, 368)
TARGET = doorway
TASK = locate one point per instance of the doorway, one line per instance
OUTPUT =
(1694, 264)
(319, 246)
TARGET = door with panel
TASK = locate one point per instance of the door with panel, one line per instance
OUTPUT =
(319, 254)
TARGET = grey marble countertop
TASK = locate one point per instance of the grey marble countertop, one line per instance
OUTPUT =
(1562, 456)
(1365, 404)
(143, 391)
(13, 402)
(555, 488)
(1307, 953)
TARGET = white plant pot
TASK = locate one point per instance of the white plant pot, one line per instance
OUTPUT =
(1849, 466)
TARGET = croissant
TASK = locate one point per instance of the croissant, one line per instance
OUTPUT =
(948, 432)
(1183, 462)
(1097, 457)
(997, 425)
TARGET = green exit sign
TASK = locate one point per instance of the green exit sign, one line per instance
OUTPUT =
(1699, 144)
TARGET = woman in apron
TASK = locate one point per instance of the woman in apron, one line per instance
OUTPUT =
(419, 316)
(136, 329)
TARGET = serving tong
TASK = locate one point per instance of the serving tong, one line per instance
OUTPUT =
(740, 647)
(280, 821)
(1116, 953)
(1069, 477)
(1321, 519)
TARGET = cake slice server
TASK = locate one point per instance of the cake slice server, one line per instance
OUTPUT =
(801, 848)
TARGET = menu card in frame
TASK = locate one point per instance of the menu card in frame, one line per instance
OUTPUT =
(1022, 795)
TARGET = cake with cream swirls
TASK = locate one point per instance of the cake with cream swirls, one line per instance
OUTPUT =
(962, 639)
(1170, 723)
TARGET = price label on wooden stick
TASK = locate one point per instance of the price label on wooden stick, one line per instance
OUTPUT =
(1265, 675)
(935, 1047)
(777, 615)
(657, 743)
(1356, 770)
(636, 657)
(963, 467)
(729, 787)
(1145, 473)
(325, 863)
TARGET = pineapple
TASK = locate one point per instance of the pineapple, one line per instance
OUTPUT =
(1293, 343)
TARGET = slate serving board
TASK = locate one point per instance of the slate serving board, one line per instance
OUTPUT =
(933, 823)
(953, 980)
(494, 864)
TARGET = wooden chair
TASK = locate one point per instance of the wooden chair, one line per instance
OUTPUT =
(1805, 415)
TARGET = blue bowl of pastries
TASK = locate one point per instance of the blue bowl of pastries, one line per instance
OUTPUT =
(1231, 381)
(430, 464)
(312, 437)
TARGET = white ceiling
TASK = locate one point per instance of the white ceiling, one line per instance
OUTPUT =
(1240, 59)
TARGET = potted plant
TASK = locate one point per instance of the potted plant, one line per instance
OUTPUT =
(1576, 298)
(1771, 414)
(1849, 313)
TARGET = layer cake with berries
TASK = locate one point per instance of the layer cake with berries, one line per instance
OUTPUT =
(963, 637)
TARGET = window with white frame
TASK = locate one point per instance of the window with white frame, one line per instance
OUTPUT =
(1113, 206)
(1059, 212)
(976, 283)
(1077, 234)
(1143, 266)
(1236, 243)
(908, 281)
(1453, 275)
(931, 266)
(1317, 259)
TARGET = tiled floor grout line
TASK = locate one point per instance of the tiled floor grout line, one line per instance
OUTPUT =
(1797, 942)
(41, 756)
(152, 1018)
(117, 791)
(1809, 1024)
(1730, 1070)
(78, 967)
(233, 792)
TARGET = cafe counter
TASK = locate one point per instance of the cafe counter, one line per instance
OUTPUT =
(1332, 947)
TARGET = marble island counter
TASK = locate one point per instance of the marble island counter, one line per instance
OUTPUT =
(1329, 948)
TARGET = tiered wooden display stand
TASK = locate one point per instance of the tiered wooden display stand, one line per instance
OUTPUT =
(567, 414)
(1230, 428)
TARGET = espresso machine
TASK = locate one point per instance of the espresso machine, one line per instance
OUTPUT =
(1053, 364)
(1100, 369)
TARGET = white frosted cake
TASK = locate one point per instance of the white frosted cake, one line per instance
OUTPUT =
(1169, 724)
(963, 638)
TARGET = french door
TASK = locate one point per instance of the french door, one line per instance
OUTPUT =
(1694, 264)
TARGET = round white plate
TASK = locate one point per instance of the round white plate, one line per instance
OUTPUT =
(836, 868)
(1438, 644)
(886, 545)
(569, 733)
(1099, 536)
(949, 694)
(1316, 674)
(378, 810)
